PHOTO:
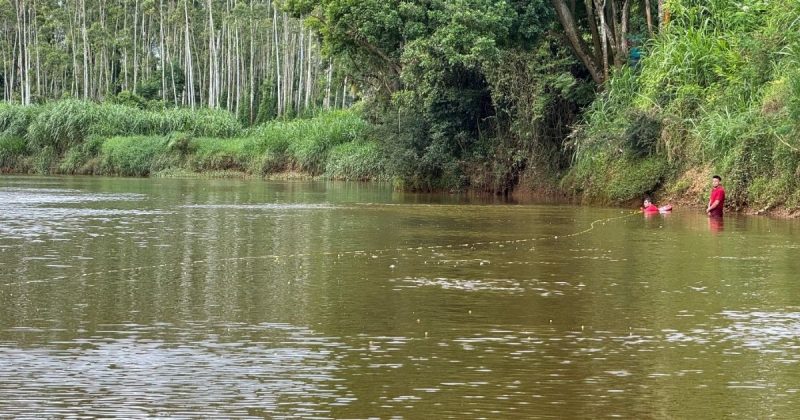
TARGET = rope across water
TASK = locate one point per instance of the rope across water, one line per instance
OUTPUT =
(279, 257)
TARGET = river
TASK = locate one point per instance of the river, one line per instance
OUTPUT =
(246, 299)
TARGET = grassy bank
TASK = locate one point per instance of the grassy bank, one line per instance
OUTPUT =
(75, 137)
(717, 92)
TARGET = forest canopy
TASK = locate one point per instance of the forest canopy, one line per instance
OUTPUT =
(249, 57)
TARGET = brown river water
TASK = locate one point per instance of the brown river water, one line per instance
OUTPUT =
(252, 299)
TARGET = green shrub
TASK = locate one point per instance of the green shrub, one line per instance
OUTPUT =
(357, 160)
(766, 191)
(44, 160)
(617, 179)
(180, 143)
(12, 148)
(15, 119)
(133, 156)
(62, 125)
(130, 99)
(794, 92)
(82, 158)
(633, 178)
(642, 134)
(312, 140)
(213, 154)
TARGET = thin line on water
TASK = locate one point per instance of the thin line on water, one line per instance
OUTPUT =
(278, 257)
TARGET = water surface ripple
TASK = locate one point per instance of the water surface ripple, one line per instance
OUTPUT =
(252, 299)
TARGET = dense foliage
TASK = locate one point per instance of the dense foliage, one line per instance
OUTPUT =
(467, 93)
(608, 100)
(246, 56)
(718, 92)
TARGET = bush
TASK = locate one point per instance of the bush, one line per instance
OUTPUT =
(15, 119)
(211, 154)
(609, 178)
(133, 156)
(632, 178)
(357, 160)
(12, 148)
(82, 158)
(642, 134)
(128, 98)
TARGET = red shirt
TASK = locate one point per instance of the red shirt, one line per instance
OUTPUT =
(717, 193)
(650, 209)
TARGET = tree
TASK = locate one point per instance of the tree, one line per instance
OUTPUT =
(607, 24)
(427, 70)
(214, 53)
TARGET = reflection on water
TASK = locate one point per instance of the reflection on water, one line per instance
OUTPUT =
(716, 224)
(219, 298)
(40, 213)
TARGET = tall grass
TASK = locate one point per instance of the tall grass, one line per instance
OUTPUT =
(12, 149)
(63, 124)
(134, 156)
(356, 160)
(15, 119)
(77, 137)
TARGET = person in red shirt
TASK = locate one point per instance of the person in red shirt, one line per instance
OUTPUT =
(649, 207)
(717, 200)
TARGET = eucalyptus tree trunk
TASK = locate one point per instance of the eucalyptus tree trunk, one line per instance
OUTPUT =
(6, 80)
(92, 49)
(212, 59)
(287, 69)
(600, 6)
(22, 57)
(308, 75)
(125, 48)
(344, 92)
(252, 66)
(135, 50)
(327, 102)
(85, 51)
(277, 59)
(297, 100)
(39, 91)
(239, 70)
(189, 79)
(161, 50)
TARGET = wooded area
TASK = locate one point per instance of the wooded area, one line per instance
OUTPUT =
(248, 57)
(608, 99)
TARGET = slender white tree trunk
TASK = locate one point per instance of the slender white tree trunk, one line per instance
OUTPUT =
(212, 59)
(277, 59)
(327, 101)
(308, 76)
(189, 88)
(135, 42)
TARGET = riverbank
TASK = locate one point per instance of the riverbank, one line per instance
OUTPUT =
(83, 138)
(718, 92)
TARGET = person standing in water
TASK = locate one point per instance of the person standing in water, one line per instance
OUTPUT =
(717, 200)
